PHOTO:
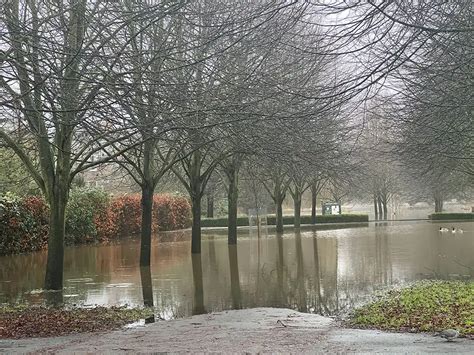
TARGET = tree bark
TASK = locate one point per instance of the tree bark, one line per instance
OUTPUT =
(232, 197)
(210, 205)
(279, 216)
(379, 201)
(55, 260)
(234, 278)
(147, 222)
(385, 209)
(313, 205)
(147, 287)
(438, 204)
(196, 227)
(297, 213)
(375, 208)
(198, 306)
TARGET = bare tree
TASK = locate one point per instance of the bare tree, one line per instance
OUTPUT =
(52, 61)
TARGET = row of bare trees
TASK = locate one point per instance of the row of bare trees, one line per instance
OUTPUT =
(196, 88)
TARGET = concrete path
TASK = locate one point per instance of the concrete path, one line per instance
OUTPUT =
(267, 330)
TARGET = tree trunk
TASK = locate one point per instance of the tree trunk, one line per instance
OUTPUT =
(232, 197)
(147, 287)
(147, 222)
(297, 213)
(375, 208)
(234, 278)
(385, 209)
(55, 261)
(279, 216)
(196, 227)
(438, 204)
(210, 205)
(198, 306)
(379, 201)
(313, 205)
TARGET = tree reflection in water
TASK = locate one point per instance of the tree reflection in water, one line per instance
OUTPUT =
(300, 278)
(323, 271)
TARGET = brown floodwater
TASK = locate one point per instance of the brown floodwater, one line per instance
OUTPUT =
(319, 271)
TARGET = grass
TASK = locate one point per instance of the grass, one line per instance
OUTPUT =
(451, 216)
(21, 321)
(427, 306)
(288, 220)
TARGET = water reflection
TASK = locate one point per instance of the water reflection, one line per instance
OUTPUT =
(324, 271)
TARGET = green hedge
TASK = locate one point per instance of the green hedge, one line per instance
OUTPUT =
(446, 216)
(288, 220)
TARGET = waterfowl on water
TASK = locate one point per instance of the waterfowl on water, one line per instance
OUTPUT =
(443, 230)
(457, 230)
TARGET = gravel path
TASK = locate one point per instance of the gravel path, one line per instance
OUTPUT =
(257, 330)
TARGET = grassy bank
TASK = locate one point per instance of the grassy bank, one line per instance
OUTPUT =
(288, 220)
(427, 306)
(451, 216)
(34, 321)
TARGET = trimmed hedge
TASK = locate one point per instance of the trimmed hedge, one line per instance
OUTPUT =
(169, 213)
(92, 216)
(222, 222)
(447, 216)
(288, 220)
(23, 224)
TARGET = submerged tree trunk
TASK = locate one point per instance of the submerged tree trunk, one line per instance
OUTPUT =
(198, 306)
(234, 278)
(147, 222)
(279, 216)
(55, 260)
(297, 213)
(313, 204)
(147, 287)
(232, 197)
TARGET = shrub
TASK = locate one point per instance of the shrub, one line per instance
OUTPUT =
(423, 306)
(92, 216)
(85, 207)
(453, 216)
(169, 213)
(288, 220)
(127, 214)
(23, 224)
(222, 221)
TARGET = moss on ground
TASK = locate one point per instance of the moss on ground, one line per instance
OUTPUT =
(427, 306)
(34, 321)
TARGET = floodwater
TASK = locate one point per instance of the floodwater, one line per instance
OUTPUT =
(319, 271)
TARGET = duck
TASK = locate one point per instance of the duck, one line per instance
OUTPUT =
(457, 230)
(449, 334)
(443, 230)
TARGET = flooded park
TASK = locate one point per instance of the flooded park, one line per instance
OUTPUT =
(327, 272)
(171, 162)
